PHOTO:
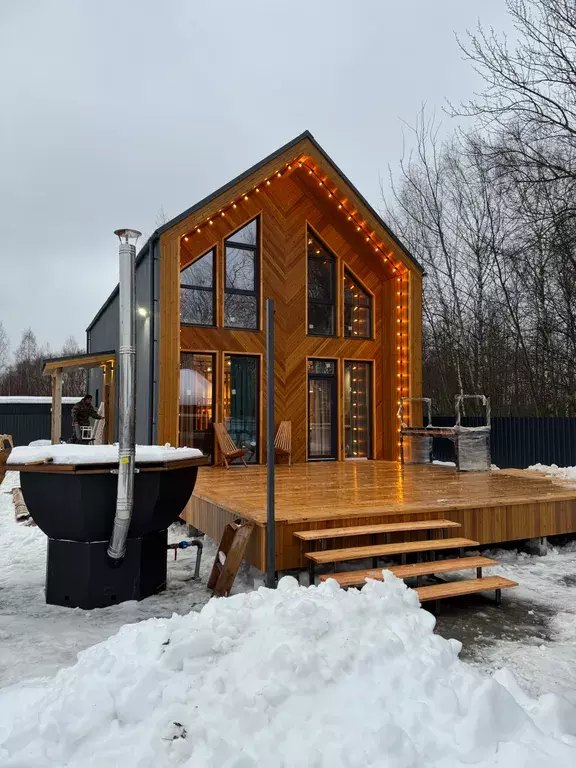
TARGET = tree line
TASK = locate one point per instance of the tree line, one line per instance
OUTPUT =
(490, 211)
(21, 372)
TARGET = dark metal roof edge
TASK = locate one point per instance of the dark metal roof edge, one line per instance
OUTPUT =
(200, 204)
(365, 202)
(304, 135)
(236, 180)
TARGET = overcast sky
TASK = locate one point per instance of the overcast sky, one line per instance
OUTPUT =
(112, 110)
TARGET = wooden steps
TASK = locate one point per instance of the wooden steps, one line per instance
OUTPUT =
(384, 550)
(356, 578)
(468, 587)
(360, 530)
(426, 593)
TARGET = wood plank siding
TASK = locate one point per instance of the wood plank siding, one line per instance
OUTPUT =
(296, 200)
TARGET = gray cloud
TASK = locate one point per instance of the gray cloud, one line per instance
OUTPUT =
(111, 110)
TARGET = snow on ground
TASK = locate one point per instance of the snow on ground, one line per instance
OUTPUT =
(38, 639)
(534, 632)
(66, 453)
(293, 677)
(552, 470)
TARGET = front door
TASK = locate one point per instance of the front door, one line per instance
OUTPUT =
(322, 410)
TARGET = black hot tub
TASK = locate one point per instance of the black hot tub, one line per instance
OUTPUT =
(74, 505)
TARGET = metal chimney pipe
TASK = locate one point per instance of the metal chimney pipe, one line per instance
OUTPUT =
(127, 386)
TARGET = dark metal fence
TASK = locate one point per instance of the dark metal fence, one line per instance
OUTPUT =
(519, 441)
(31, 421)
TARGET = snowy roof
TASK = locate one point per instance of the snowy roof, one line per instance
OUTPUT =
(35, 399)
(97, 454)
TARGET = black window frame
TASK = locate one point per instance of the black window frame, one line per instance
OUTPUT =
(333, 302)
(333, 378)
(347, 334)
(204, 288)
(255, 249)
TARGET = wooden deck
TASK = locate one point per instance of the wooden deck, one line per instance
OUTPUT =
(491, 507)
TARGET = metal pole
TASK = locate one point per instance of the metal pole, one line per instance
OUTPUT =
(270, 521)
(127, 387)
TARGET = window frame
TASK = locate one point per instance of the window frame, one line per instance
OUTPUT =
(334, 285)
(215, 376)
(256, 293)
(348, 335)
(204, 288)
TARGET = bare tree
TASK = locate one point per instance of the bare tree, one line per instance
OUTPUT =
(4, 348)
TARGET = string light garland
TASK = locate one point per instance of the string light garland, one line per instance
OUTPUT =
(333, 194)
(361, 226)
(402, 360)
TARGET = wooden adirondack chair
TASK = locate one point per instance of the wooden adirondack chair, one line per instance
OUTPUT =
(283, 440)
(229, 449)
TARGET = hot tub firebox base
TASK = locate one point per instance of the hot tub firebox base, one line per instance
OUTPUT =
(79, 575)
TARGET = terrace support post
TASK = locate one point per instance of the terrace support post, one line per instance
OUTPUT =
(109, 403)
(270, 467)
(56, 419)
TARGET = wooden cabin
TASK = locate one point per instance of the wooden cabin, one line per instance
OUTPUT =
(347, 316)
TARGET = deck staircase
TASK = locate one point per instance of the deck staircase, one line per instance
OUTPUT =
(426, 550)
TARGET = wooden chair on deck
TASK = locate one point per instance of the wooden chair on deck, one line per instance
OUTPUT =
(283, 440)
(229, 449)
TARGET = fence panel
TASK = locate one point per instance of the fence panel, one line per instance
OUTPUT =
(519, 441)
(31, 421)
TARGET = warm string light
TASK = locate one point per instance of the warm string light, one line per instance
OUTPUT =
(351, 215)
(402, 361)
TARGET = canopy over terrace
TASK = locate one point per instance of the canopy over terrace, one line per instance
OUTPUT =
(55, 365)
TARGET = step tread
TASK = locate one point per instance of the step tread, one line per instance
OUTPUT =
(454, 588)
(380, 550)
(359, 530)
(353, 578)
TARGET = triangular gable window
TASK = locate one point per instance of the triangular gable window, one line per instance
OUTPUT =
(357, 308)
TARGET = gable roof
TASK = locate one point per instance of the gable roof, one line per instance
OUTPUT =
(306, 135)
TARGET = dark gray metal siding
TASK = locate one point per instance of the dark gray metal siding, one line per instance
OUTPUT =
(104, 334)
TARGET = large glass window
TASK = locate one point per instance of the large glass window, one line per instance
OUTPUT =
(357, 409)
(242, 278)
(197, 291)
(357, 308)
(241, 402)
(321, 289)
(197, 401)
(322, 411)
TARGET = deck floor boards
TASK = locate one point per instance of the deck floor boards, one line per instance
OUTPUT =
(326, 490)
(490, 507)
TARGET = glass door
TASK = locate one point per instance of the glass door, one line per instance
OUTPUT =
(322, 411)
(357, 409)
(241, 402)
(197, 401)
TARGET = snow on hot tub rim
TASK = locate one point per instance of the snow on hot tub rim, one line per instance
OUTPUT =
(66, 453)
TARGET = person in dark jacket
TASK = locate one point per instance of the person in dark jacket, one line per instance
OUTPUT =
(82, 412)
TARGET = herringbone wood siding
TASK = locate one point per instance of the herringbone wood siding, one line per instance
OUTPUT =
(287, 207)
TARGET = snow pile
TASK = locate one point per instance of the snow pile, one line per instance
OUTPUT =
(290, 678)
(97, 454)
(553, 470)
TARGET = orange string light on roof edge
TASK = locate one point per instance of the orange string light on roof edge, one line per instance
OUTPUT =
(400, 271)
(352, 215)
